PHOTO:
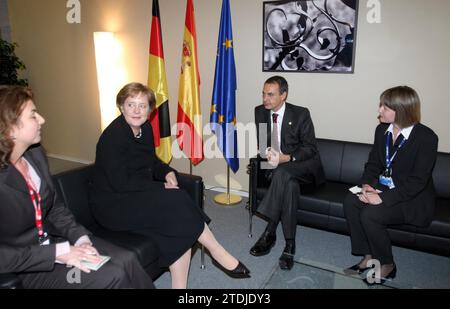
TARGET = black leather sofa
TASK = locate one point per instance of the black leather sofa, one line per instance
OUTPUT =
(73, 189)
(343, 163)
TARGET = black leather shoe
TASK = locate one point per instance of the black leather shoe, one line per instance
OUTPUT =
(240, 272)
(264, 244)
(389, 277)
(355, 270)
(286, 260)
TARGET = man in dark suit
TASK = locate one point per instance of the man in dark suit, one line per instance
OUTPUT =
(292, 160)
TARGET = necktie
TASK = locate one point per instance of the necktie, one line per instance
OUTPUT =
(274, 137)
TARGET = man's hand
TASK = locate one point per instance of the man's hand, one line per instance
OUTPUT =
(77, 255)
(171, 181)
(273, 157)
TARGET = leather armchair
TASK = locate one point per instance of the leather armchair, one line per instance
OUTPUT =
(73, 188)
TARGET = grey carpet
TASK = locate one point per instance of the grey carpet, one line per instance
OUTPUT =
(230, 226)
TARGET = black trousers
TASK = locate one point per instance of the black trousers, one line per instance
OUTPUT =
(122, 271)
(282, 198)
(368, 227)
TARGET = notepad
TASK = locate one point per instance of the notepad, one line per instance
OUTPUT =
(96, 266)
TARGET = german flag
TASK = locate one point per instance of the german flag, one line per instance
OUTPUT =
(159, 118)
(189, 117)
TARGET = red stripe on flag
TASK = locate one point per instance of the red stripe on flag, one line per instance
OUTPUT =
(188, 139)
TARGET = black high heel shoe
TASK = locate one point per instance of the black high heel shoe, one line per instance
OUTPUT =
(355, 269)
(388, 277)
(240, 272)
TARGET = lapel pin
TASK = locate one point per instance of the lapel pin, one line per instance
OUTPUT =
(290, 123)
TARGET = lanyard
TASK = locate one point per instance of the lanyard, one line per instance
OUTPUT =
(36, 200)
(390, 159)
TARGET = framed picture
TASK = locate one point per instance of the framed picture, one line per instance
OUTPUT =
(312, 36)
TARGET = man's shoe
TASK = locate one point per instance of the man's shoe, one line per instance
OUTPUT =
(286, 261)
(264, 244)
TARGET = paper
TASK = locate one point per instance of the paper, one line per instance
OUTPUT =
(355, 190)
(96, 266)
(358, 190)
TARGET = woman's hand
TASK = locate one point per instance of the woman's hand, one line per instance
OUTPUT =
(171, 181)
(77, 255)
(369, 195)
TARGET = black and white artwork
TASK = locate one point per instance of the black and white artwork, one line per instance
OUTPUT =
(310, 36)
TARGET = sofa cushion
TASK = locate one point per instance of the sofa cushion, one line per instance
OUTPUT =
(441, 175)
(146, 250)
(354, 158)
(440, 226)
(327, 199)
(331, 155)
(72, 187)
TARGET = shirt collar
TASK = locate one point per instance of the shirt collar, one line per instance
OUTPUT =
(280, 112)
(405, 131)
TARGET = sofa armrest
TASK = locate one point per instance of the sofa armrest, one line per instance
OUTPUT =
(10, 281)
(194, 187)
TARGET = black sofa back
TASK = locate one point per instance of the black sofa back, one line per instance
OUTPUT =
(344, 162)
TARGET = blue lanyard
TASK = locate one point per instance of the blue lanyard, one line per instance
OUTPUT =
(390, 159)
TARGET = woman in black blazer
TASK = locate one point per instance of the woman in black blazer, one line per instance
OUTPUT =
(39, 237)
(134, 191)
(397, 184)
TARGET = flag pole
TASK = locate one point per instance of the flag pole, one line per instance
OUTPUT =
(227, 199)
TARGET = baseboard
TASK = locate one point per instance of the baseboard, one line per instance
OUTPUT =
(66, 158)
(224, 190)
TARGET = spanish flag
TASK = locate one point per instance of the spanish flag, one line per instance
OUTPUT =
(189, 118)
(159, 118)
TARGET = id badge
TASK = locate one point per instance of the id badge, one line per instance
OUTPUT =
(44, 240)
(387, 181)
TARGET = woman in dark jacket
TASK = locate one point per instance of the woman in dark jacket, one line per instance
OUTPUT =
(134, 191)
(39, 237)
(397, 184)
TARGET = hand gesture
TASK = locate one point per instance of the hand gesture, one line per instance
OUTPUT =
(171, 181)
(273, 157)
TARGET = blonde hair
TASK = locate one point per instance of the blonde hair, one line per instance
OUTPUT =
(132, 90)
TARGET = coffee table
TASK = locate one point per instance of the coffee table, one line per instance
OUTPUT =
(307, 274)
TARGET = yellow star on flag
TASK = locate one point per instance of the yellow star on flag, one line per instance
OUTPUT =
(228, 43)
(213, 109)
(221, 119)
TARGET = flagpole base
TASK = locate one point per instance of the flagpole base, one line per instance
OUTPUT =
(227, 199)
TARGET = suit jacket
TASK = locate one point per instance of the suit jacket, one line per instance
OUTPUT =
(19, 245)
(125, 164)
(297, 137)
(411, 172)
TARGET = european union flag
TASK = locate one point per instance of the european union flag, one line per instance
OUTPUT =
(223, 105)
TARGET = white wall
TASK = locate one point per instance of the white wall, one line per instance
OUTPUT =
(410, 46)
